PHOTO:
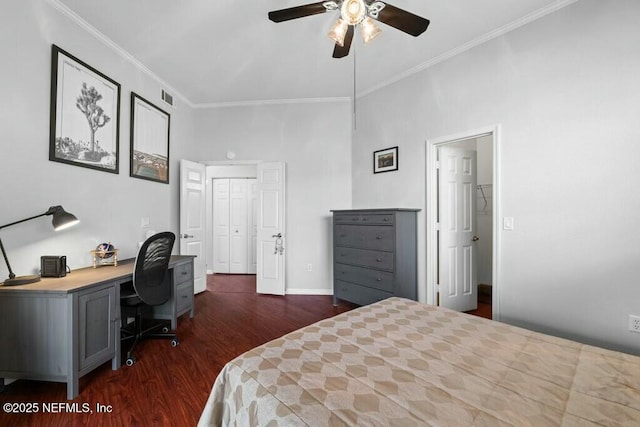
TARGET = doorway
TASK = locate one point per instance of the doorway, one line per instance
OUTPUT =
(462, 201)
(234, 225)
(230, 208)
(266, 236)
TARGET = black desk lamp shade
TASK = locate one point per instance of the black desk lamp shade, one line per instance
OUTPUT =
(61, 220)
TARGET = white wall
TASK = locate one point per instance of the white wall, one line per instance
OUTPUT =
(109, 206)
(565, 91)
(314, 140)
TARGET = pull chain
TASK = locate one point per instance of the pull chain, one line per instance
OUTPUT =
(354, 87)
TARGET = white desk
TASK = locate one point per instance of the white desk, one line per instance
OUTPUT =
(60, 329)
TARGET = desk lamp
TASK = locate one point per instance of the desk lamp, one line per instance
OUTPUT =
(61, 220)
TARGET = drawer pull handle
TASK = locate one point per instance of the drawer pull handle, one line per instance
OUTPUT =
(184, 273)
(364, 219)
(386, 219)
(342, 235)
(354, 219)
(378, 237)
(184, 297)
(379, 259)
(379, 279)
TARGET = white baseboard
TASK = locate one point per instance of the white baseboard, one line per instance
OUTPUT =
(309, 291)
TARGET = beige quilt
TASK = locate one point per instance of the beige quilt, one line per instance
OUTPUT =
(402, 363)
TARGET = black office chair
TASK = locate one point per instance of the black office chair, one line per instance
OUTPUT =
(151, 286)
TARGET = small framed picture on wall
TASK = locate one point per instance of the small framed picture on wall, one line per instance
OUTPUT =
(385, 160)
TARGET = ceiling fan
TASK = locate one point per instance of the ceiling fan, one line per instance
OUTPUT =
(353, 13)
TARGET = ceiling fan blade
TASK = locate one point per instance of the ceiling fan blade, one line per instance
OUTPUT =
(342, 51)
(403, 20)
(297, 12)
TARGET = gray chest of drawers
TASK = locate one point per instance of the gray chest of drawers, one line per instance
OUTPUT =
(374, 254)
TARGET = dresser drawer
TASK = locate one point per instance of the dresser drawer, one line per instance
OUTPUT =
(364, 218)
(183, 273)
(375, 218)
(367, 237)
(346, 218)
(361, 295)
(365, 258)
(184, 297)
(382, 280)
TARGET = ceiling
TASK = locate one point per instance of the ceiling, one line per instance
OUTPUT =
(227, 51)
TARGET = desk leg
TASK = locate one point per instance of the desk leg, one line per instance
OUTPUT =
(116, 362)
(73, 386)
(73, 374)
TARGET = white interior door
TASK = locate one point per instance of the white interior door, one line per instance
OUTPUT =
(270, 277)
(238, 213)
(221, 225)
(457, 250)
(192, 219)
(252, 197)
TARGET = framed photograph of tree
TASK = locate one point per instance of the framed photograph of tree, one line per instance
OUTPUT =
(85, 114)
(149, 140)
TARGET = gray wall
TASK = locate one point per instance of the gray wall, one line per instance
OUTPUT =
(109, 206)
(565, 91)
(314, 141)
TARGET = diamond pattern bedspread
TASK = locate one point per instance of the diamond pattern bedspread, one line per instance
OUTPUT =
(403, 363)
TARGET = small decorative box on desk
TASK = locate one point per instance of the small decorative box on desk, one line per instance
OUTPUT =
(105, 254)
(375, 254)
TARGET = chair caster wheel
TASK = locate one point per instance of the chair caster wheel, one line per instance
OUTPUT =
(130, 361)
(165, 330)
(174, 342)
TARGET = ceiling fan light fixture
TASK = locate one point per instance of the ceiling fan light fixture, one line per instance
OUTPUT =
(369, 29)
(338, 31)
(353, 11)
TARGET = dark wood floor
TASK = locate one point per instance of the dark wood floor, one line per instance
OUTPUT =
(169, 386)
(483, 310)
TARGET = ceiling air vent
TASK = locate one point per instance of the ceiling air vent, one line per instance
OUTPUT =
(166, 97)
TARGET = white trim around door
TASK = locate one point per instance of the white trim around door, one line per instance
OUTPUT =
(431, 199)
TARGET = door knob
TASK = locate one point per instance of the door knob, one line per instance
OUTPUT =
(186, 236)
(475, 238)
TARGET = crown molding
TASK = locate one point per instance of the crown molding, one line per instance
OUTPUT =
(533, 16)
(116, 48)
(553, 7)
(273, 102)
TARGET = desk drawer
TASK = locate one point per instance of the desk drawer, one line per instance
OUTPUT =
(372, 237)
(358, 294)
(382, 280)
(184, 297)
(183, 273)
(365, 258)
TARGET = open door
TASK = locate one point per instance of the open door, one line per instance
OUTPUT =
(458, 229)
(270, 277)
(192, 219)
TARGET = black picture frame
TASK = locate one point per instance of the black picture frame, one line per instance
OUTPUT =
(85, 114)
(385, 160)
(150, 130)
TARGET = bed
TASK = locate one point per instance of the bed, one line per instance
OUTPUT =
(402, 363)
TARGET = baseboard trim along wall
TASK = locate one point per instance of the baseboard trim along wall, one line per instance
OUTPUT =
(309, 291)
